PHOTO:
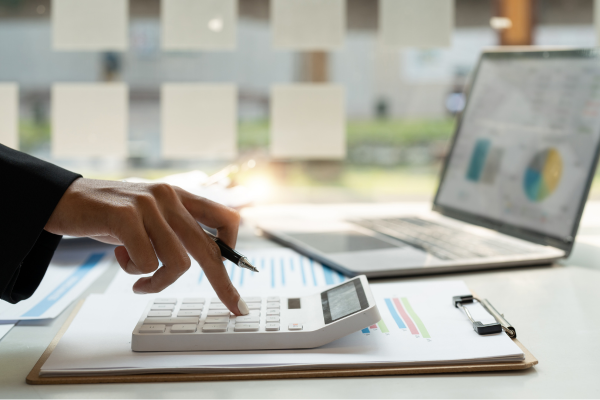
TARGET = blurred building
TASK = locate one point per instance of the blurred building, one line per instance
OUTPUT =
(410, 83)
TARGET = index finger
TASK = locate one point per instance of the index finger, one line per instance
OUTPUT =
(224, 219)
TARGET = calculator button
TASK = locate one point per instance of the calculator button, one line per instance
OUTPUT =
(295, 327)
(221, 306)
(217, 320)
(272, 312)
(160, 313)
(247, 319)
(193, 300)
(246, 327)
(273, 305)
(181, 328)
(152, 329)
(272, 326)
(254, 306)
(163, 306)
(218, 313)
(272, 318)
(275, 298)
(193, 306)
(255, 313)
(165, 300)
(171, 321)
(214, 328)
(252, 299)
(189, 313)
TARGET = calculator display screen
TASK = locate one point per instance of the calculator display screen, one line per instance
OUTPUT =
(343, 300)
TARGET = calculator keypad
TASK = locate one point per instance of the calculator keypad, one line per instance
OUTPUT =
(199, 315)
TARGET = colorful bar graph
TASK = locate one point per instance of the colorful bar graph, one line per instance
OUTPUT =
(411, 325)
(373, 326)
(382, 327)
(415, 318)
(366, 330)
(394, 313)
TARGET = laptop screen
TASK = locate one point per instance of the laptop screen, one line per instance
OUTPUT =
(526, 147)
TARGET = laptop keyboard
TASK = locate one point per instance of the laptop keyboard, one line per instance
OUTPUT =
(442, 241)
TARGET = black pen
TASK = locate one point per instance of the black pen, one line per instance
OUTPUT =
(230, 254)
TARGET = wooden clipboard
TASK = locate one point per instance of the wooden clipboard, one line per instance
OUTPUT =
(34, 376)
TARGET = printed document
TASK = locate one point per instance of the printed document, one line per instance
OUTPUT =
(69, 274)
(419, 326)
(5, 327)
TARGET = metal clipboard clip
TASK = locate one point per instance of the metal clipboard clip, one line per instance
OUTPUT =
(500, 325)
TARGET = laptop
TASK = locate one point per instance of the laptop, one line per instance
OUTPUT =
(513, 186)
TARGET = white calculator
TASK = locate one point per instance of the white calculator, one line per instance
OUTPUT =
(195, 323)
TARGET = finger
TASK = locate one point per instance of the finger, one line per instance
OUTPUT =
(207, 253)
(224, 219)
(107, 239)
(137, 256)
(168, 249)
(125, 261)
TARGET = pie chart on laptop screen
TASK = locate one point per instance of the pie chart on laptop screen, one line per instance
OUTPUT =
(543, 174)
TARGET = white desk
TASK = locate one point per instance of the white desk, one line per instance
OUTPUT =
(555, 311)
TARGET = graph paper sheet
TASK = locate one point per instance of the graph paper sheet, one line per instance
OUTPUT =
(419, 326)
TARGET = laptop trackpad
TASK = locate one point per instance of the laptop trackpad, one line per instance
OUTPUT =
(384, 259)
(343, 241)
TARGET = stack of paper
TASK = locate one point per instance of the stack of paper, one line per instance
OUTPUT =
(68, 276)
(419, 326)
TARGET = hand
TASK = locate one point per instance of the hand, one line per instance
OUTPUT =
(149, 222)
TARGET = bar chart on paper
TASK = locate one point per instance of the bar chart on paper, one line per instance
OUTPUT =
(279, 269)
(404, 318)
(67, 277)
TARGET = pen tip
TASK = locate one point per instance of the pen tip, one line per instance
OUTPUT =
(247, 264)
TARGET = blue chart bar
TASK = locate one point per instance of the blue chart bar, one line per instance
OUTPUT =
(366, 330)
(201, 275)
(233, 268)
(478, 157)
(312, 268)
(341, 277)
(57, 294)
(394, 313)
(328, 273)
(272, 272)
(282, 272)
(302, 270)
(242, 276)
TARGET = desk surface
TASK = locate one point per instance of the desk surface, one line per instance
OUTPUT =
(555, 310)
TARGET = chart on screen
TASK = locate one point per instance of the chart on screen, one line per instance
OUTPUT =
(543, 174)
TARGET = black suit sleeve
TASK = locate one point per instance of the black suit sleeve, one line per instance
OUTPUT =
(30, 189)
